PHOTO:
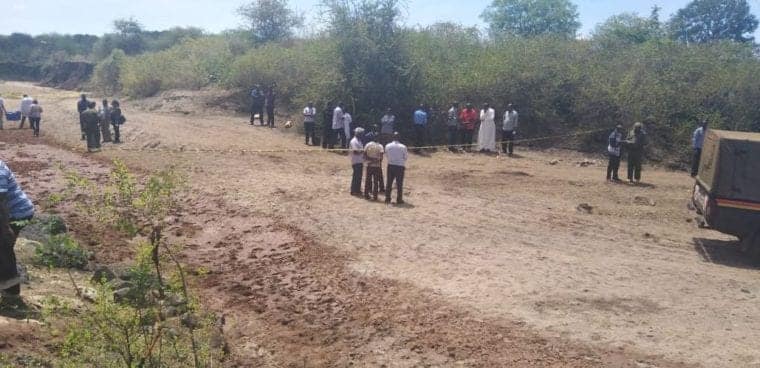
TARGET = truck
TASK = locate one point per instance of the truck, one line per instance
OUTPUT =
(727, 190)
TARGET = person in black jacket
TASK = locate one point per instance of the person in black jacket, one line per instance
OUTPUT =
(117, 120)
(82, 107)
(327, 115)
(270, 105)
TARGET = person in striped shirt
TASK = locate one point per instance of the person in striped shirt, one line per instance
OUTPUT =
(15, 209)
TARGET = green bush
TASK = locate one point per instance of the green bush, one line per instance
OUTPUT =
(106, 78)
(61, 251)
(193, 64)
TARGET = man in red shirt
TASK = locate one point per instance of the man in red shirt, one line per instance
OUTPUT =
(469, 118)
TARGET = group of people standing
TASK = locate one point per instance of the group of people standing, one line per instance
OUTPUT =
(96, 124)
(633, 144)
(29, 109)
(461, 125)
(261, 99)
(364, 148)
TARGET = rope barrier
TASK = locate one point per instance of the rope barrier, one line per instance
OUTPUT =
(244, 151)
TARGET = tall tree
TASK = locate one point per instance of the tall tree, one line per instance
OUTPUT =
(270, 20)
(129, 36)
(628, 29)
(712, 20)
(374, 64)
(529, 18)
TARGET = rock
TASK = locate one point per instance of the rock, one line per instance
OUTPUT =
(746, 291)
(586, 163)
(102, 274)
(122, 295)
(89, 294)
(190, 321)
(553, 162)
(643, 201)
(585, 208)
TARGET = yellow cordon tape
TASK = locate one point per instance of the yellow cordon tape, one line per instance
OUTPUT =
(315, 150)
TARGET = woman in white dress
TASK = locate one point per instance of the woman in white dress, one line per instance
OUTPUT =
(487, 133)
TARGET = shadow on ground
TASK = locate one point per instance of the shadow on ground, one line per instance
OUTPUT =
(724, 252)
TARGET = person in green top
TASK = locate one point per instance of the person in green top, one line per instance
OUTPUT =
(91, 121)
(635, 147)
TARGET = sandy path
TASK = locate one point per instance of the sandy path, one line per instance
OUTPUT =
(498, 239)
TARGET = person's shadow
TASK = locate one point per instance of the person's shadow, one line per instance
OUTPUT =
(724, 252)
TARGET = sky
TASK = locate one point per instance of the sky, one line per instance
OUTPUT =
(96, 16)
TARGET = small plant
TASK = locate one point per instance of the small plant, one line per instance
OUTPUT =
(61, 251)
(54, 199)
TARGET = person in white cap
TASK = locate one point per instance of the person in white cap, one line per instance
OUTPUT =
(356, 153)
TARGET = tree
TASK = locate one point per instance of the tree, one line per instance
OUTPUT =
(629, 29)
(530, 18)
(270, 20)
(129, 34)
(704, 21)
(374, 64)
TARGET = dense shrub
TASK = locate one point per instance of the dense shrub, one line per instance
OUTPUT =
(61, 251)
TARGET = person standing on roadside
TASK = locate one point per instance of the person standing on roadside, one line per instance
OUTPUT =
(35, 115)
(614, 143)
(104, 113)
(635, 147)
(356, 152)
(697, 139)
(327, 131)
(257, 104)
(420, 126)
(487, 132)
(452, 125)
(387, 126)
(469, 118)
(337, 127)
(310, 123)
(26, 103)
(271, 94)
(82, 107)
(397, 155)
(2, 112)
(348, 123)
(509, 130)
(117, 120)
(373, 154)
(15, 210)
(92, 127)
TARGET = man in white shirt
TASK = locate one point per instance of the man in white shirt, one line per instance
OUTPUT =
(347, 123)
(26, 104)
(356, 153)
(509, 129)
(397, 155)
(310, 123)
(2, 112)
(337, 127)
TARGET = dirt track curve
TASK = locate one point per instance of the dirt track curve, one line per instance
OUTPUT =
(490, 264)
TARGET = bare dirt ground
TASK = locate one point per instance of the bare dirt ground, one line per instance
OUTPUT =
(492, 263)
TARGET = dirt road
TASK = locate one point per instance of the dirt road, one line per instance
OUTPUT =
(492, 263)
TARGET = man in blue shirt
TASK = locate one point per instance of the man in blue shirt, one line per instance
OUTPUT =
(420, 125)
(697, 139)
(15, 208)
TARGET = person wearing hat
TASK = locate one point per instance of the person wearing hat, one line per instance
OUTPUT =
(373, 155)
(613, 153)
(397, 155)
(356, 153)
(635, 147)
